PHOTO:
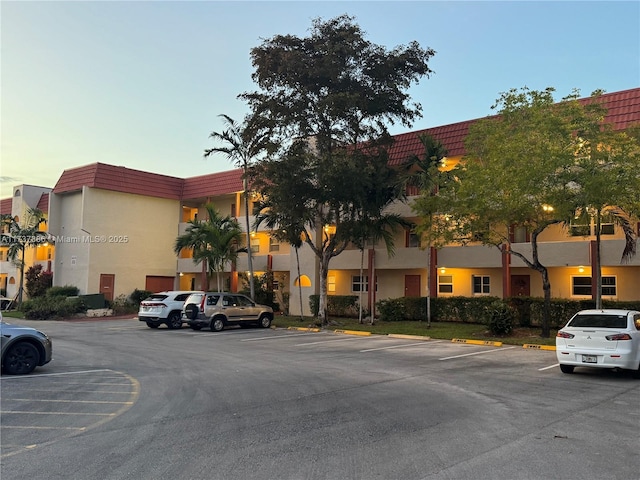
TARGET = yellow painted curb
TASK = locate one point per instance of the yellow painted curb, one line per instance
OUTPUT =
(304, 329)
(477, 342)
(408, 337)
(353, 332)
(539, 347)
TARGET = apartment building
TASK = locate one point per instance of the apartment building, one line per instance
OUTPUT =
(114, 229)
(24, 198)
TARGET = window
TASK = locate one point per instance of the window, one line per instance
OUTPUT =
(606, 225)
(581, 286)
(481, 284)
(331, 283)
(445, 284)
(412, 239)
(274, 244)
(255, 245)
(520, 235)
(609, 286)
(360, 284)
(580, 227)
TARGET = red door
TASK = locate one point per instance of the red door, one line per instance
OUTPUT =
(520, 286)
(107, 281)
(412, 285)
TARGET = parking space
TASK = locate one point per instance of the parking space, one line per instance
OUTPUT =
(41, 408)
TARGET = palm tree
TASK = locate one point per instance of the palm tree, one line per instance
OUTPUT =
(371, 229)
(214, 241)
(242, 145)
(20, 236)
(423, 173)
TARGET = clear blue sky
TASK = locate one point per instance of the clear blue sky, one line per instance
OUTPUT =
(141, 84)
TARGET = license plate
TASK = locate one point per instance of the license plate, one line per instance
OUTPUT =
(589, 359)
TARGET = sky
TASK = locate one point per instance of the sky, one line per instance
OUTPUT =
(142, 84)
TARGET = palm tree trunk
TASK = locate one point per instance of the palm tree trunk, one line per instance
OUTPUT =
(249, 253)
(299, 283)
(360, 287)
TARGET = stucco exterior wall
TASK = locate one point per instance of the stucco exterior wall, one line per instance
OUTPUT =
(106, 232)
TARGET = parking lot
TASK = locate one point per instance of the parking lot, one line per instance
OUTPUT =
(121, 400)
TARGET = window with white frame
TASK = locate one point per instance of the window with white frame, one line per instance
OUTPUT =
(274, 244)
(359, 284)
(581, 286)
(445, 283)
(331, 283)
(481, 284)
(255, 245)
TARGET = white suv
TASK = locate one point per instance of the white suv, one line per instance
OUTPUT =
(163, 307)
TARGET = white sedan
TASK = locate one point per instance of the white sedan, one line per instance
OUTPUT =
(600, 338)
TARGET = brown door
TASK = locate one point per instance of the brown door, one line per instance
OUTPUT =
(107, 281)
(158, 284)
(412, 285)
(520, 286)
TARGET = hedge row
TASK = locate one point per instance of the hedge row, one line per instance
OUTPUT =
(526, 311)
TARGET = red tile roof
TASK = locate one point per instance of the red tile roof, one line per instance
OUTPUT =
(623, 109)
(119, 179)
(213, 184)
(43, 203)
(5, 206)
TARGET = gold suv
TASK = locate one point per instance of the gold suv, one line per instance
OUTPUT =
(217, 310)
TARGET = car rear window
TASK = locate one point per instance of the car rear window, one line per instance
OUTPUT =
(599, 321)
(194, 298)
(156, 297)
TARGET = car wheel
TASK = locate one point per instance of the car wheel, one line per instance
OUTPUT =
(174, 321)
(152, 324)
(265, 321)
(217, 324)
(566, 368)
(22, 358)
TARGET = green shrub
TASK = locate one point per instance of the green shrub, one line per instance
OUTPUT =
(392, 310)
(122, 305)
(64, 291)
(48, 307)
(337, 305)
(36, 281)
(137, 296)
(501, 318)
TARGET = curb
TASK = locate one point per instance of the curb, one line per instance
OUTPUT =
(353, 332)
(538, 347)
(408, 337)
(304, 329)
(476, 342)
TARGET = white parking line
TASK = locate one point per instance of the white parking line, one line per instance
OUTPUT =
(401, 346)
(53, 374)
(477, 353)
(324, 341)
(549, 367)
(287, 335)
(4, 412)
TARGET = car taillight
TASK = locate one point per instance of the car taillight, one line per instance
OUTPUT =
(562, 334)
(204, 297)
(619, 336)
(154, 304)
